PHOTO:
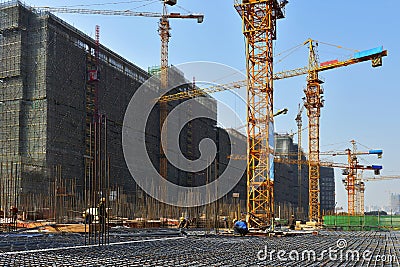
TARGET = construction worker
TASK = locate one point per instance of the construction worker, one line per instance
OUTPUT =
(292, 222)
(101, 207)
(226, 223)
(240, 227)
(14, 216)
(184, 223)
(89, 215)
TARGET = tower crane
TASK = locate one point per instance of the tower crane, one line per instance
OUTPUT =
(314, 102)
(361, 187)
(351, 181)
(259, 28)
(355, 201)
(164, 32)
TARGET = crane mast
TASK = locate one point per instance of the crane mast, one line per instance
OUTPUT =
(351, 178)
(361, 200)
(163, 30)
(259, 28)
(313, 105)
(359, 189)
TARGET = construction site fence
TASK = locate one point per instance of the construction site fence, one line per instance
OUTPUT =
(362, 222)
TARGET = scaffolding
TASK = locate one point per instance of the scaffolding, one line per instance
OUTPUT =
(22, 103)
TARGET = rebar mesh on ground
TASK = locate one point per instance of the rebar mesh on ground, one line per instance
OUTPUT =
(217, 251)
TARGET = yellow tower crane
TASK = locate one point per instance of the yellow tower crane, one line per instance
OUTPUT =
(259, 28)
(314, 102)
(164, 32)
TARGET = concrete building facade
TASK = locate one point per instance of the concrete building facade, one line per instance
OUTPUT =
(395, 203)
(289, 186)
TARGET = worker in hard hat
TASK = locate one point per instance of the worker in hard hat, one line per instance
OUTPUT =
(89, 215)
(240, 227)
(14, 216)
(184, 223)
(226, 223)
(292, 222)
(102, 213)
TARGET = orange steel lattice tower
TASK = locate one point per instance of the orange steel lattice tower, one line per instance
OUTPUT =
(313, 103)
(351, 178)
(163, 30)
(259, 27)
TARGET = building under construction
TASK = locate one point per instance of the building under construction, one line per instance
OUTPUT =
(292, 189)
(63, 100)
(48, 108)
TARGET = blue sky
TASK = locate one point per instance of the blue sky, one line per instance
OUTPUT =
(361, 103)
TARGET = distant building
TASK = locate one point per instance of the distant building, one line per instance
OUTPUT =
(287, 181)
(224, 152)
(395, 203)
(327, 189)
(289, 187)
